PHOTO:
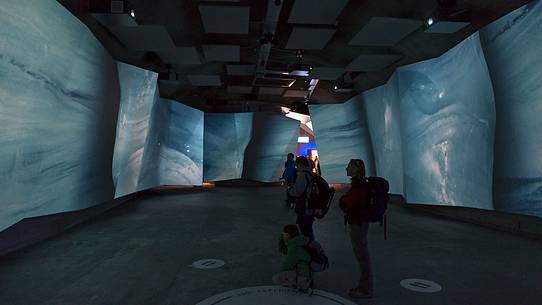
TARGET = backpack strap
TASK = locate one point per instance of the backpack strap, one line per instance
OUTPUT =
(309, 182)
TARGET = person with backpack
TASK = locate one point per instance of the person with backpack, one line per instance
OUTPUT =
(295, 269)
(288, 176)
(356, 205)
(301, 191)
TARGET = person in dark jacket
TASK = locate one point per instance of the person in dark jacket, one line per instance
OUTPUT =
(288, 176)
(301, 191)
(355, 205)
(294, 271)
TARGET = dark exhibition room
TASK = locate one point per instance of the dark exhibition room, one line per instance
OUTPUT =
(270, 152)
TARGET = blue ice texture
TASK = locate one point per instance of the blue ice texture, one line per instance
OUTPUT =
(384, 123)
(341, 133)
(447, 128)
(58, 109)
(226, 137)
(273, 137)
(512, 46)
(174, 147)
(137, 99)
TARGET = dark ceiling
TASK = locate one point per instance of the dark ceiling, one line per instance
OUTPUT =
(215, 55)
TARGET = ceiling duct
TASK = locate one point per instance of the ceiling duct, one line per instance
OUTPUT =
(269, 26)
(274, 82)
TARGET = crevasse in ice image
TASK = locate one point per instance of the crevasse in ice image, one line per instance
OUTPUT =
(447, 125)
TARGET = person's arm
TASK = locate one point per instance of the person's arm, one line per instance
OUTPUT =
(282, 245)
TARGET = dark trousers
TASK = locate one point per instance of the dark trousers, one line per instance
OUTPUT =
(305, 225)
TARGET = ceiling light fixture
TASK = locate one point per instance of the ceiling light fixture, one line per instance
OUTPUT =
(299, 69)
(343, 87)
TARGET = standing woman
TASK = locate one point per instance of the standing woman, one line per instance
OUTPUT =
(355, 205)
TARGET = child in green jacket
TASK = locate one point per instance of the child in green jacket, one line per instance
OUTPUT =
(294, 271)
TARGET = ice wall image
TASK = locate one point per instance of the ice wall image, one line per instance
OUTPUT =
(341, 134)
(273, 137)
(448, 122)
(176, 139)
(512, 46)
(226, 138)
(383, 118)
(138, 95)
(58, 107)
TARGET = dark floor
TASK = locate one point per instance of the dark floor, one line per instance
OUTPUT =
(141, 253)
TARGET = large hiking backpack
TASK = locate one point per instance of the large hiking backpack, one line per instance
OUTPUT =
(379, 188)
(318, 261)
(320, 198)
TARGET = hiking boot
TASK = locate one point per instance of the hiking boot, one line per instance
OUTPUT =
(359, 294)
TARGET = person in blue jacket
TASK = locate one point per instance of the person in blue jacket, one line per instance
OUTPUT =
(289, 176)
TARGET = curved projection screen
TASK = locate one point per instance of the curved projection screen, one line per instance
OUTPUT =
(512, 46)
(433, 130)
(447, 124)
(59, 99)
(159, 142)
(462, 129)
(341, 134)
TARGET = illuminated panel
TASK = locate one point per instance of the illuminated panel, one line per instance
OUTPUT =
(383, 119)
(341, 134)
(274, 136)
(138, 96)
(447, 125)
(226, 138)
(303, 140)
(512, 46)
(58, 108)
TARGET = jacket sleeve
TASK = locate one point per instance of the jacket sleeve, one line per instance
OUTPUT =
(300, 185)
(290, 260)
(282, 245)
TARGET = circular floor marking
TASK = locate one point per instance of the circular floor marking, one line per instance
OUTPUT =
(274, 295)
(209, 263)
(420, 285)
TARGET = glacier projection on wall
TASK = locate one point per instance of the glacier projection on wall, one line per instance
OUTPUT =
(512, 46)
(341, 134)
(159, 141)
(58, 106)
(273, 137)
(138, 95)
(447, 122)
(174, 149)
(226, 136)
(383, 119)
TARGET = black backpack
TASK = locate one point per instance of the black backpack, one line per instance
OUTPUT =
(378, 188)
(318, 261)
(321, 196)
(319, 201)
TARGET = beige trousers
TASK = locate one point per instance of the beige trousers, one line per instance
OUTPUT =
(358, 238)
(288, 279)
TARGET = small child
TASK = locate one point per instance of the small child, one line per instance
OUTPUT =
(294, 271)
